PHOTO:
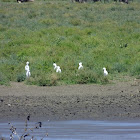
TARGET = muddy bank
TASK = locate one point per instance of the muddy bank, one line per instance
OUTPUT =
(99, 102)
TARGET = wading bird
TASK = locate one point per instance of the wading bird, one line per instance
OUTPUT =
(27, 69)
(80, 66)
(55, 66)
(58, 69)
(105, 71)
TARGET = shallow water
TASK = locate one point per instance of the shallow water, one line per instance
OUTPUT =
(79, 130)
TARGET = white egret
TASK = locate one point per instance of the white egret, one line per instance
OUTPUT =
(105, 71)
(58, 69)
(27, 69)
(80, 66)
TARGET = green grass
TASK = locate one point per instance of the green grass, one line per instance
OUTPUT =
(45, 31)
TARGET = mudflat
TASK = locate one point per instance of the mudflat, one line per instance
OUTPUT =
(119, 101)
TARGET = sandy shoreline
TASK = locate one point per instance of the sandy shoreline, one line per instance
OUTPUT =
(119, 101)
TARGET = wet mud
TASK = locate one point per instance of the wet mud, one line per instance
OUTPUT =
(119, 101)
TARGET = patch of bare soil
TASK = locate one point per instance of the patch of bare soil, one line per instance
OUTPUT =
(99, 102)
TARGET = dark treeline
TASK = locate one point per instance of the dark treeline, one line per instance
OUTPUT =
(19, 1)
(81, 1)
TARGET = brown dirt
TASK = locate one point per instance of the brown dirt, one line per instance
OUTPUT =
(100, 102)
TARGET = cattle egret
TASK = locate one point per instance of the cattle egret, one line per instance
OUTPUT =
(27, 69)
(105, 71)
(55, 66)
(80, 66)
(9, 105)
(58, 69)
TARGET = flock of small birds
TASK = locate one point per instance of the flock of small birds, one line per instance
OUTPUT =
(58, 69)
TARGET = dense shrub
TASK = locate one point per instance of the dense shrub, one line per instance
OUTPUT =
(84, 77)
(21, 77)
(3, 79)
(135, 69)
(118, 67)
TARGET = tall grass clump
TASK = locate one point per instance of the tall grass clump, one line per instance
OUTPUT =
(3, 79)
(135, 69)
(118, 67)
(43, 32)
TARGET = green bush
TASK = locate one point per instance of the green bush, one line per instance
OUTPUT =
(135, 71)
(54, 78)
(75, 22)
(43, 79)
(21, 77)
(118, 67)
(3, 79)
(85, 76)
(48, 21)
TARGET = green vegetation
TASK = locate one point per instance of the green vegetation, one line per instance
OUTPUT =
(42, 32)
